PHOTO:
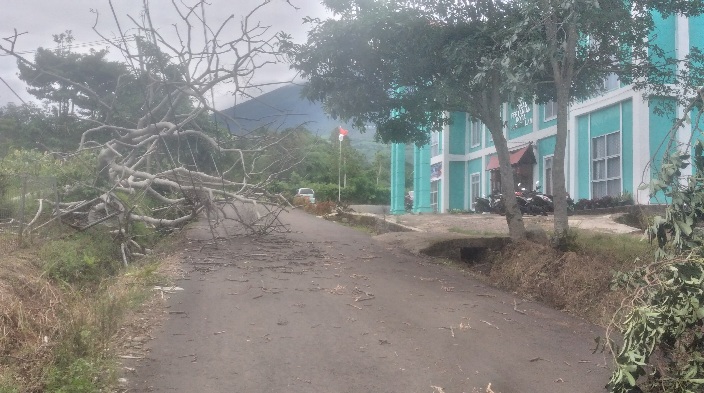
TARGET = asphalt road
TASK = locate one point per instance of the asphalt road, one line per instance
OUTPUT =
(326, 308)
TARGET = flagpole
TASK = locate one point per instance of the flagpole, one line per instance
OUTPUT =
(343, 132)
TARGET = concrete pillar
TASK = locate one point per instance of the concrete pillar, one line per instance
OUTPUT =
(421, 179)
(398, 178)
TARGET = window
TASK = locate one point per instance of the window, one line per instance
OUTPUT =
(547, 175)
(475, 134)
(434, 144)
(550, 111)
(474, 189)
(434, 195)
(606, 165)
(611, 82)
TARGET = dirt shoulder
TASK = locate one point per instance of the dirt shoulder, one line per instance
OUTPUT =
(496, 224)
(578, 281)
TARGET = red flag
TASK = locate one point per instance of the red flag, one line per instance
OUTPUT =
(343, 131)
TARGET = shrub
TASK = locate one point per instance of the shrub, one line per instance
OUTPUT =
(321, 208)
(83, 259)
(604, 202)
(301, 201)
(80, 376)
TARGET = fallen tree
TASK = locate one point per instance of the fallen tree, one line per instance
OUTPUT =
(153, 133)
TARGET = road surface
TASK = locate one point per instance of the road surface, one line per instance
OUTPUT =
(328, 309)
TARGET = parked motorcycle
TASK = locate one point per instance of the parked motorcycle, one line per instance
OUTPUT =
(530, 204)
(542, 200)
(549, 203)
(492, 204)
(408, 201)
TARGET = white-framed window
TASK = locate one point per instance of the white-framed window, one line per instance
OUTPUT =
(550, 110)
(434, 143)
(606, 165)
(434, 195)
(474, 188)
(547, 175)
(611, 82)
(475, 133)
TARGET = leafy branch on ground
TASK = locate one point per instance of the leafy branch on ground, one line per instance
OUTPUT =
(662, 321)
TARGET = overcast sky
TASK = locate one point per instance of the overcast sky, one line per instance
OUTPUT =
(42, 18)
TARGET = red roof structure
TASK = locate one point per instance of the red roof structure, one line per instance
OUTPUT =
(521, 156)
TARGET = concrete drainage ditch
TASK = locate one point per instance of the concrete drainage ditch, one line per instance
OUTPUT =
(465, 249)
(454, 246)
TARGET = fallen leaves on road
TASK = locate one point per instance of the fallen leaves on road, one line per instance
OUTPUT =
(338, 290)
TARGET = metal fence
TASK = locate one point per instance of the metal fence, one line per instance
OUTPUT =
(26, 202)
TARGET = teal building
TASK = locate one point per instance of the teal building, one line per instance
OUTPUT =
(614, 141)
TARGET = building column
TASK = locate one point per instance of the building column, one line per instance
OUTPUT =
(398, 178)
(682, 45)
(421, 179)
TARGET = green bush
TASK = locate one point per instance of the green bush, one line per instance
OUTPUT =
(79, 376)
(79, 169)
(360, 190)
(82, 259)
(7, 385)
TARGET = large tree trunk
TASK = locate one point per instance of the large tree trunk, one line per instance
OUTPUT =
(561, 223)
(486, 106)
(489, 112)
(563, 69)
(514, 218)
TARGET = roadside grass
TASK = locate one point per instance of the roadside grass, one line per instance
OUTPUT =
(359, 227)
(62, 302)
(474, 232)
(623, 249)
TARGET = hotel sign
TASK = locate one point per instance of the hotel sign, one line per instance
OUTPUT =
(522, 115)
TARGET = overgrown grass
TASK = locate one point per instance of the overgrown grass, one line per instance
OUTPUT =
(61, 313)
(84, 258)
(624, 249)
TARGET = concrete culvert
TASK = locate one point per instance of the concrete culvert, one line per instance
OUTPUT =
(465, 249)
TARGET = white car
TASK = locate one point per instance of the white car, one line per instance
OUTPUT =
(306, 193)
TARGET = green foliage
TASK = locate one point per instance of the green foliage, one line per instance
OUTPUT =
(82, 259)
(604, 202)
(317, 168)
(668, 316)
(622, 249)
(678, 227)
(80, 376)
(7, 385)
(667, 309)
(76, 169)
(92, 79)
(29, 126)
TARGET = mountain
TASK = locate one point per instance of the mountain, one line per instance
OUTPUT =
(285, 108)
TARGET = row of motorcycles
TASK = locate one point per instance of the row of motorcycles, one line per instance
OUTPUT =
(530, 202)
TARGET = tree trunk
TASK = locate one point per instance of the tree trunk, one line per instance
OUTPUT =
(486, 107)
(514, 218)
(563, 72)
(561, 223)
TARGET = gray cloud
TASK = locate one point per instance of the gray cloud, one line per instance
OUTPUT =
(39, 19)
